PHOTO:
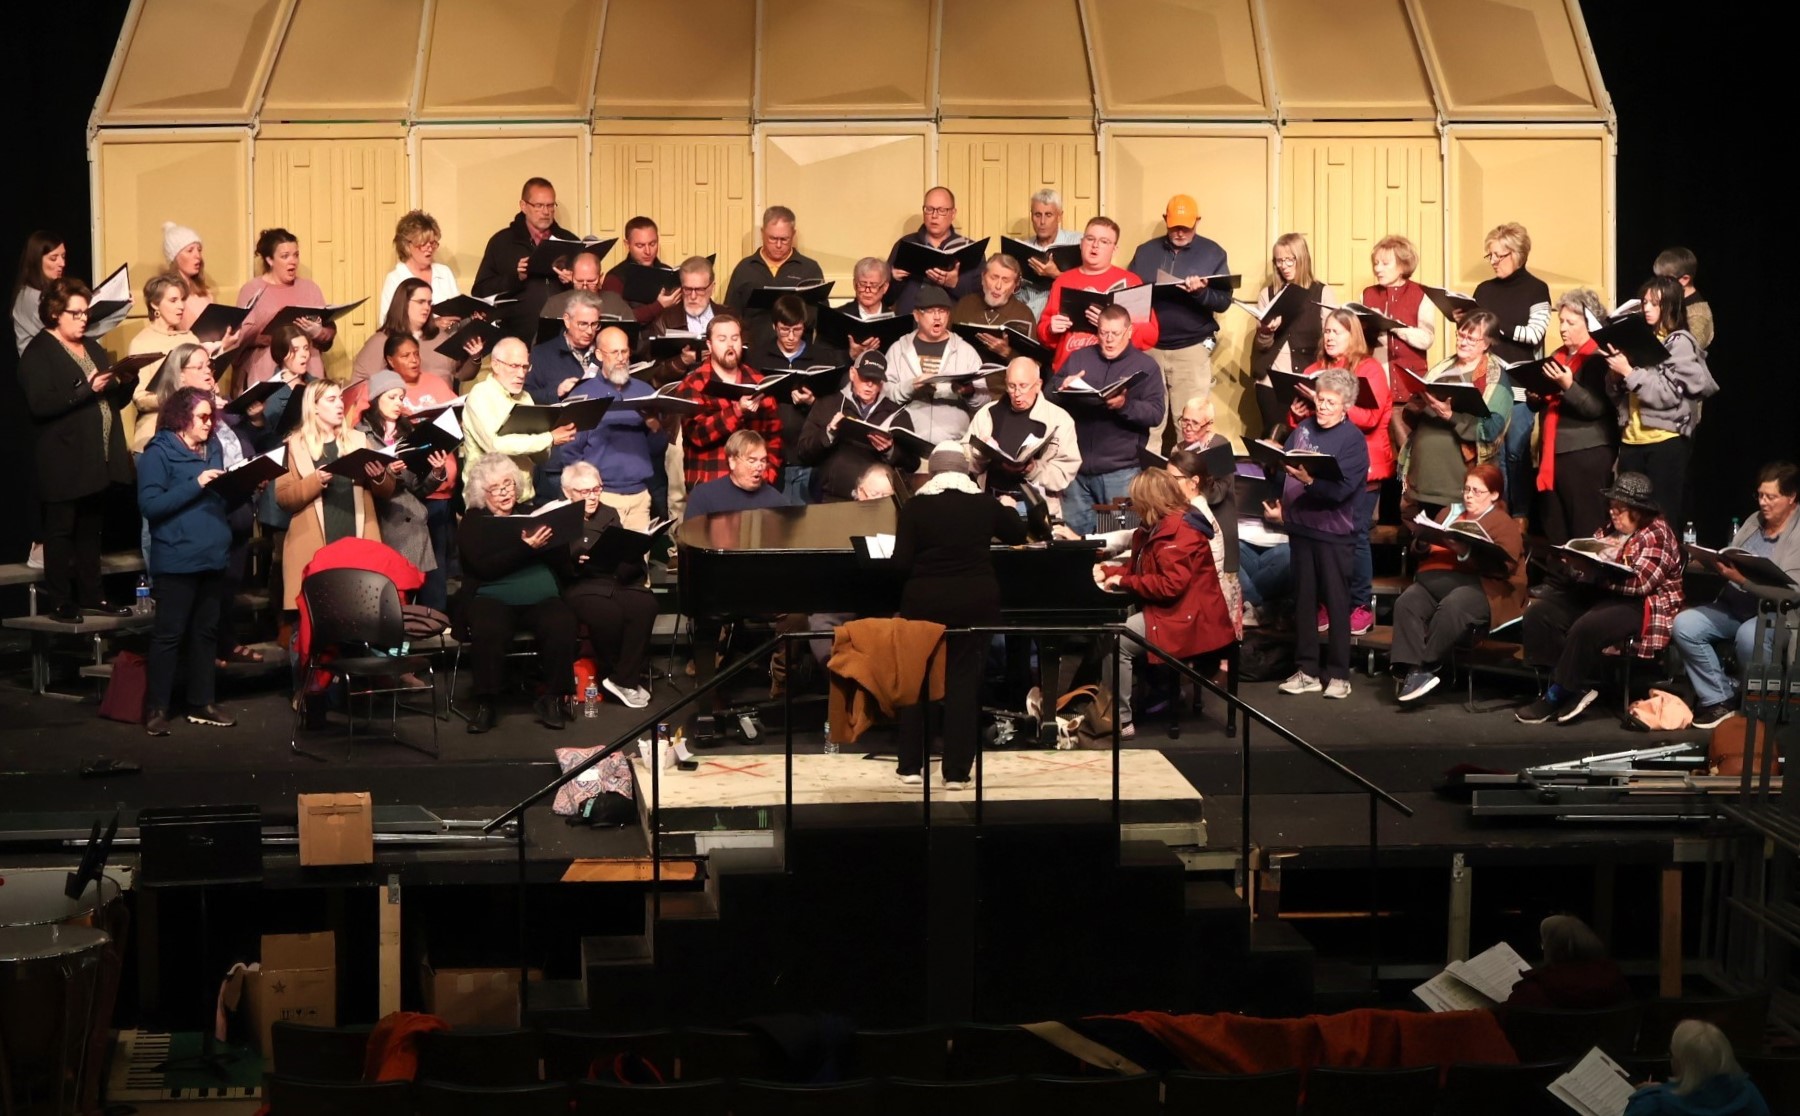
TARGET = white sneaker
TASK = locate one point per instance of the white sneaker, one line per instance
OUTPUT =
(1300, 683)
(1252, 619)
(957, 784)
(1337, 688)
(1034, 703)
(36, 558)
(632, 697)
(912, 780)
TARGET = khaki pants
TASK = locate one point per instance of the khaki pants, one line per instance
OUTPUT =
(634, 510)
(1186, 373)
(677, 478)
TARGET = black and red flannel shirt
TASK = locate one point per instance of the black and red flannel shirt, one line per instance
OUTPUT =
(703, 435)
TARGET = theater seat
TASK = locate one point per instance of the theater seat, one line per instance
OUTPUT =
(1362, 1092)
(1472, 1089)
(546, 1098)
(292, 1096)
(479, 1056)
(989, 1096)
(771, 1098)
(1196, 1094)
(683, 1098)
(1044, 1095)
(319, 1053)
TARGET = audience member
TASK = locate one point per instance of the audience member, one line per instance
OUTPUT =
(1575, 974)
(1707, 1080)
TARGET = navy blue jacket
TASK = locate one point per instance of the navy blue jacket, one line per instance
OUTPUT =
(906, 291)
(551, 364)
(1111, 440)
(1186, 321)
(190, 529)
(621, 447)
(720, 495)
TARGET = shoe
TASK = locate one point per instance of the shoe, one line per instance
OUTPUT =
(913, 779)
(1300, 683)
(1324, 619)
(107, 608)
(1034, 703)
(956, 784)
(35, 559)
(1574, 709)
(67, 613)
(1337, 688)
(549, 709)
(1362, 620)
(157, 723)
(633, 697)
(484, 717)
(1127, 732)
(1712, 716)
(1417, 684)
(1537, 712)
(211, 715)
(1252, 619)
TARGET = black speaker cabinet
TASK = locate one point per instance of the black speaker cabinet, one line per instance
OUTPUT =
(187, 846)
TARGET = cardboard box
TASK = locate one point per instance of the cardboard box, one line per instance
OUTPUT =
(337, 829)
(297, 983)
(473, 997)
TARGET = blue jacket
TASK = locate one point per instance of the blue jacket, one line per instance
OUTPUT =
(1326, 509)
(621, 447)
(551, 364)
(189, 527)
(1186, 321)
(1723, 1095)
(1111, 440)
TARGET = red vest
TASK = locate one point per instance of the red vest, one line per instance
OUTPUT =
(1402, 305)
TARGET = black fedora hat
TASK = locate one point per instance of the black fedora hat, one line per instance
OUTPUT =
(1633, 490)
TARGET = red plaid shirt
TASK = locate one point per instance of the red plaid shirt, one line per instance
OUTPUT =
(1657, 561)
(703, 435)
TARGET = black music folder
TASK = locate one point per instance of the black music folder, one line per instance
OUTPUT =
(813, 292)
(840, 326)
(558, 251)
(1632, 335)
(355, 463)
(1081, 390)
(535, 418)
(916, 258)
(241, 481)
(1464, 532)
(1449, 302)
(1276, 459)
(1756, 569)
(563, 517)
(1136, 300)
(663, 401)
(217, 318)
(1288, 384)
(618, 544)
(1374, 322)
(1066, 257)
(110, 303)
(456, 346)
(467, 306)
(1533, 375)
(325, 314)
(254, 394)
(640, 283)
(667, 346)
(1464, 398)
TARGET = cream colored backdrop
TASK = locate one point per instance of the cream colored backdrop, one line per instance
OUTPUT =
(332, 117)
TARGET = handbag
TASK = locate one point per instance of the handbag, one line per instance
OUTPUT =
(125, 690)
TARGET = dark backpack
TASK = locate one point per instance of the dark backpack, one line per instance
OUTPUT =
(1265, 659)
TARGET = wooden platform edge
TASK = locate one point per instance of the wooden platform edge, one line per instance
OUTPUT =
(637, 869)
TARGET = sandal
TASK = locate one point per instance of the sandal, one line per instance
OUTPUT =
(241, 654)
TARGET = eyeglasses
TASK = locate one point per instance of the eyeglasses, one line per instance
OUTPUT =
(1106, 240)
(685, 289)
(203, 416)
(759, 461)
(498, 363)
(1475, 490)
(76, 313)
(1496, 257)
(584, 493)
(1285, 261)
(863, 285)
(939, 210)
(541, 207)
(778, 239)
(575, 323)
(1190, 422)
(499, 487)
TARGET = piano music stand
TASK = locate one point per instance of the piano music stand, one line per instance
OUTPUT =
(201, 847)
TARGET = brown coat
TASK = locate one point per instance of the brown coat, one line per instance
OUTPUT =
(297, 492)
(879, 663)
(1506, 596)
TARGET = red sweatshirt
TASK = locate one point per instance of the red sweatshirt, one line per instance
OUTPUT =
(1143, 334)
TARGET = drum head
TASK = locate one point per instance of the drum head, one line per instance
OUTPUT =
(34, 897)
(22, 945)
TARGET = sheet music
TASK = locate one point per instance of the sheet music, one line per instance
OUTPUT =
(1493, 972)
(880, 546)
(1445, 992)
(1597, 1086)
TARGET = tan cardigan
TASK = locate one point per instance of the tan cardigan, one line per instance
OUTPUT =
(297, 492)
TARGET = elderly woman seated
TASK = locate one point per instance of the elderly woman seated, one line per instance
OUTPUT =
(1459, 584)
(609, 596)
(1632, 593)
(511, 579)
(1706, 1079)
(1576, 974)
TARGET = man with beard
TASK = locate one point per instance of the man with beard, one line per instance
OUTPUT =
(627, 442)
(723, 413)
(996, 303)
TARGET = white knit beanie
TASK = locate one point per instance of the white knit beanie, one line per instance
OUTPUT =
(175, 238)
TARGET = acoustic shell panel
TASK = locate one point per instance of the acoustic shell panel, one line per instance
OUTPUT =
(695, 60)
(1230, 173)
(1011, 58)
(192, 62)
(340, 196)
(1511, 59)
(500, 60)
(470, 180)
(994, 174)
(199, 179)
(1347, 60)
(697, 189)
(346, 60)
(1557, 183)
(837, 58)
(854, 190)
(1171, 59)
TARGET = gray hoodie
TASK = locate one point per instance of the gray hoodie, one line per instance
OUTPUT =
(1669, 393)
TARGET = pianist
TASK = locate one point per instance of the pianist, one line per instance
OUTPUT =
(744, 485)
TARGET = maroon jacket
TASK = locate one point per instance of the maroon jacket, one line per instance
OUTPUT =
(1172, 571)
(1572, 985)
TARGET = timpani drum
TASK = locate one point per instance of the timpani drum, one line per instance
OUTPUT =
(50, 979)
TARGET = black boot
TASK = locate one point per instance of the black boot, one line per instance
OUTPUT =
(550, 711)
(483, 718)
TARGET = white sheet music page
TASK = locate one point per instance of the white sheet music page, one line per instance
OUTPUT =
(1493, 972)
(1597, 1086)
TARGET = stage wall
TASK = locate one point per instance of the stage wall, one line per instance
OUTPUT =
(1340, 119)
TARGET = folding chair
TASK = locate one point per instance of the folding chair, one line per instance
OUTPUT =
(347, 608)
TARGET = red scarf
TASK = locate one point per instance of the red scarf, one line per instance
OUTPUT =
(1546, 478)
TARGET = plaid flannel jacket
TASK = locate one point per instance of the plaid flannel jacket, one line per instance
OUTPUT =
(703, 435)
(1657, 562)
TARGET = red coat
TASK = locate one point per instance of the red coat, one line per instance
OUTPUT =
(1172, 571)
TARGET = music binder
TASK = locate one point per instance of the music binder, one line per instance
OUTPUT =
(1592, 555)
(1374, 322)
(743, 389)
(1464, 398)
(217, 319)
(355, 464)
(1289, 384)
(916, 258)
(128, 367)
(467, 306)
(535, 418)
(1532, 375)
(853, 429)
(241, 481)
(455, 346)
(1136, 301)
(1074, 388)
(640, 284)
(325, 314)
(814, 292)
(1464, 532)
(1756, 569)
(1287, 302)
(1066, 257)
(1032, 444)
(256, 393)
(618, 544)
(1275, 458)
(110, 302)
(1022, 342)
(841, 327)
(1169, 285)
(563, 517)
(1632, 335)
(559, 251)
(1449, 302)
(669, 345)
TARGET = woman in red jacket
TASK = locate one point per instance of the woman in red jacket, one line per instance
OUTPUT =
(1341, 345)
(1171, 570)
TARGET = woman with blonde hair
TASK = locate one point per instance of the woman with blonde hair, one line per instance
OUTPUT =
(1393, 260)
(416, 241)
(1520, 303)
(1706, 1079)
(186, 257)
(324, 507)
(1286, 343)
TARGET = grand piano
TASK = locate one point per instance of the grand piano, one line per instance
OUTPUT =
(801, 559)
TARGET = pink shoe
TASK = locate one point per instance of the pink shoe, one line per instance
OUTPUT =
(1324, 620)
(1362, 620)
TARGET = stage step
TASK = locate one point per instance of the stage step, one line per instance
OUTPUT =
(1279, 971)
(1215, 941)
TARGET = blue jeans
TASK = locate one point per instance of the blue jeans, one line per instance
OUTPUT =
(1090, 489)
(440, 523)
(796, 482)
(1698, 631)
(1265, 572)
(1362, 563)
(1515, 461)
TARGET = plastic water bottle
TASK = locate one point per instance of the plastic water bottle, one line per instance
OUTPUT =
(1736, 526)
(590, 701)
(142, 605)
(1688, 535)
(831, 746)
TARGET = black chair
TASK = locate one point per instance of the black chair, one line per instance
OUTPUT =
(1550, 1034)
(1482, 1089)
(479, 1056)
(1276, 1094)
(988, 1050)
(920, 1053)
(1046, 1095)
(348, 610)
(319, 1053)
(1358, 1092)
(1776, 1078)
(1228, 660)
(1741, 1018)
(709, 1052)
(573, 1055)
(684, 1098)
(991, 1096)
(770, 1098)
(438, 1098)
(292, 1096)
